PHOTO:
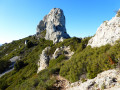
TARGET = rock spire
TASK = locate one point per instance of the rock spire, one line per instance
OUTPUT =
(54, 24)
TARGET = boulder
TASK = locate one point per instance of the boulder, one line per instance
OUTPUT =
(107, 33)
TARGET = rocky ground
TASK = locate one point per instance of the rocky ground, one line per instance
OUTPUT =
(108, 80)
(61, 83)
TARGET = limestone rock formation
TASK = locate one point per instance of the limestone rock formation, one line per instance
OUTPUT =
(105, 80)
(63, 50)
(41, 26)
(54, 24)
(107, 33)
(44, 60)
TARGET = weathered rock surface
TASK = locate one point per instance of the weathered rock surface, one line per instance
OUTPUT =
(41, 26)
(107, 33)
(54, 24)
(107, 80)
(56, 30)
(44, 60)
(63, 50)
(11, 67)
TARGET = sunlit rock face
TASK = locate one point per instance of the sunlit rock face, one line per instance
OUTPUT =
(107, 33)
(54, 24)
(41, 26)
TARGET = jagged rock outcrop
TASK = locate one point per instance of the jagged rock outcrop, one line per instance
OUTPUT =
(54, 24)
(41, 26)
(63, 50)
(105, 80)
(107, 33)
(44, 60)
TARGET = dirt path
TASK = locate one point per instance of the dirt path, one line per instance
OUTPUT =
(61, 83)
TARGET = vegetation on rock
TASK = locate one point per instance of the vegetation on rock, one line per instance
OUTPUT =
(85, 61)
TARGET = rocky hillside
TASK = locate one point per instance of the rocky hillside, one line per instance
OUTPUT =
(51, 60)
(106, 80)
(107, 33)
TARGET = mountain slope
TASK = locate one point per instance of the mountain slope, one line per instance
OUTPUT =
(84, 64)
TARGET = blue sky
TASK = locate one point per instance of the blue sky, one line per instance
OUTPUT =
(19, 18)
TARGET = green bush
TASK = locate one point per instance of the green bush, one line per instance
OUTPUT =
(18, 65)
(56, 61)
(30, 44)
(4, 64)
(89, 61)
(3, 85)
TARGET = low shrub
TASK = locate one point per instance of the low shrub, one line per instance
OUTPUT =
(4, 64)
(30, 44)
(56, 61)
(19, 64)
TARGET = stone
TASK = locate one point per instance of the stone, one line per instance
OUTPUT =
(44, 60)
(54, 24)
(26, 41)
(15, 58)
(41, 26)
(108, 79)
(107, 33)
(43, 63)
(63, 50)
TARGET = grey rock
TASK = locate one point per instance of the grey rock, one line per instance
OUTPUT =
(15, 58)
(107, 33)
(108, 79)
(55, 29)
(40, 27)
(44, 60)
(63, 50)
(54, 24)
(43, 63)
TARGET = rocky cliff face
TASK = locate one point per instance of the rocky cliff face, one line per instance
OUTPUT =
(54, 24)
(41, 26)
(44, 58)
(107, 33)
